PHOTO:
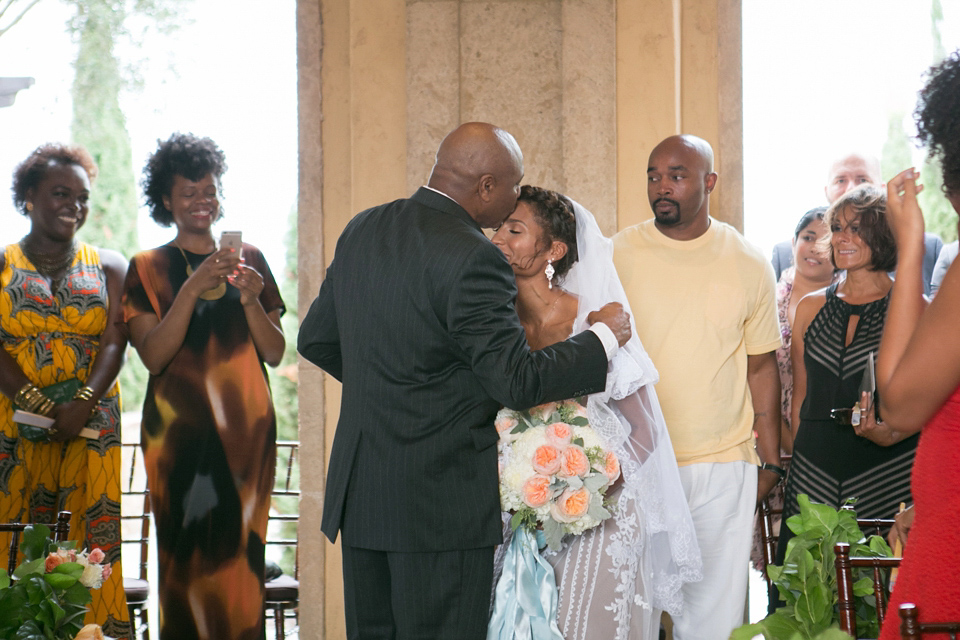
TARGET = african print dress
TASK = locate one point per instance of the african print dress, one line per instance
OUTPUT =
(54, 336)
(209, 441)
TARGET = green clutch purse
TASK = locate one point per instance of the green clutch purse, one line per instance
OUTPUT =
(59, 393)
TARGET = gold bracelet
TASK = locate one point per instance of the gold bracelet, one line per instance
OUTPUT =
(32, 399)
(83, 393)
(46, 407)
(21, 396)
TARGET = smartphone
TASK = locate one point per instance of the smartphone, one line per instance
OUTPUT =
(232, 240)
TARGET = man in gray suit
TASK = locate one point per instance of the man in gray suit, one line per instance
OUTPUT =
(415, 317)
(849, 172)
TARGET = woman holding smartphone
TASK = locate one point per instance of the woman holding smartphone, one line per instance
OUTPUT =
(204, 321)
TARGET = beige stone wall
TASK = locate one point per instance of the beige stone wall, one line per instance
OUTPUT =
(545, 70)
(588, 87)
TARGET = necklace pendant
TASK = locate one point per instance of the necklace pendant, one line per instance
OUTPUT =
(210, 294)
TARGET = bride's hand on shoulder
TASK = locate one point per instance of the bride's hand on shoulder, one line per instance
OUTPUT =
(614, 316)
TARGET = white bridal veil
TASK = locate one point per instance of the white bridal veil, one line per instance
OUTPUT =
(650, 549)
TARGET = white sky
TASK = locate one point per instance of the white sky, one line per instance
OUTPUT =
(235, 80)
(820, 78)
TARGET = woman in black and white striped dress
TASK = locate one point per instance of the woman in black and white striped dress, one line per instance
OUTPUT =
(834, 332)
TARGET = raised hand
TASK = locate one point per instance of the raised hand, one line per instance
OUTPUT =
(903, 211)
(613, 315)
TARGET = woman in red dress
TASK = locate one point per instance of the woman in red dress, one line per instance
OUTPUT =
(918, 371)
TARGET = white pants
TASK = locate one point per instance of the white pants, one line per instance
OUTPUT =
(722, 499)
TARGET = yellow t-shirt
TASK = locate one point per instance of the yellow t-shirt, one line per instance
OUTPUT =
(701, 307)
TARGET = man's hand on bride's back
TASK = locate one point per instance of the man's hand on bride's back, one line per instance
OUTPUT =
(613, 315)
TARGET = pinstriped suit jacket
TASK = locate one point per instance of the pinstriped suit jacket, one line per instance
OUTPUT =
(416, 318)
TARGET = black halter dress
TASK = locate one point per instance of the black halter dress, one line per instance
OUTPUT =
(832, 464)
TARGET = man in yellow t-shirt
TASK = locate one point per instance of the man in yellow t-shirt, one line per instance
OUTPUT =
(705, 309)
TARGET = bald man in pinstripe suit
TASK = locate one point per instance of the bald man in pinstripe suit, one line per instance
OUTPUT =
(415, 317)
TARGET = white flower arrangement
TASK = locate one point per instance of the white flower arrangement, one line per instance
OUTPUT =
(554, 470)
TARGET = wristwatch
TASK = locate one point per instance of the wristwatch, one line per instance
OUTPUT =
(766, 466)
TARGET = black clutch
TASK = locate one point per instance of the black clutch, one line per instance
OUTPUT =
(59, 393)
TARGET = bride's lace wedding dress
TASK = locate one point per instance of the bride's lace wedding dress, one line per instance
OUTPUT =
(615, 580)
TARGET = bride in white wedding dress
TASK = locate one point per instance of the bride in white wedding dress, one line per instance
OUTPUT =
(615, 580)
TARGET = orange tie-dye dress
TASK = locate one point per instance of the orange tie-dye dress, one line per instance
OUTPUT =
(54, 336)
(209, 446)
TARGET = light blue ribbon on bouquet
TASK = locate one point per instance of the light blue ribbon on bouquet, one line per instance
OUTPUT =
(525, 605)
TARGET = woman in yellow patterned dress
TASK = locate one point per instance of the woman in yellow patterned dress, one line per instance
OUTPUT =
(59, 307)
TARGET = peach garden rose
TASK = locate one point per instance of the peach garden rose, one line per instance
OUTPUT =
(574, 462)
(559, 434)
(546, 459)
(572, 505)
(536, 491)
(611, 467)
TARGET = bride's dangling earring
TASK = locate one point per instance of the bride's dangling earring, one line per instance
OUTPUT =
(549, 271)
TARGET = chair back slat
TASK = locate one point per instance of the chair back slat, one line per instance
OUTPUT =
(845, 563)
(283, 594)
(60, 530)
(912, 629)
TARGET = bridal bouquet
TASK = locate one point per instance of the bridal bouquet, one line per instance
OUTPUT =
(554, 470)
(47, 595)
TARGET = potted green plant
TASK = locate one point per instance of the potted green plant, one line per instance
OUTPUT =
(807, 580)
(46, 597)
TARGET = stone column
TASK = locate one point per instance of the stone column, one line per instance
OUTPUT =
(679, 71)
(588, 87)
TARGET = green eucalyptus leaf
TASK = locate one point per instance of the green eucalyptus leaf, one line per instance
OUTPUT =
(597, 511)
(579, 421)
(595, 481)
(553, 533)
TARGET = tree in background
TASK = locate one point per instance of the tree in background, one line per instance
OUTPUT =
(99, 125)
(283, 379)
(937, 212)
(898, 155)
(283, 385)
(13, 18)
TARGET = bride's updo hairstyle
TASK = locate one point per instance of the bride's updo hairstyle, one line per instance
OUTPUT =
(554, 214)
